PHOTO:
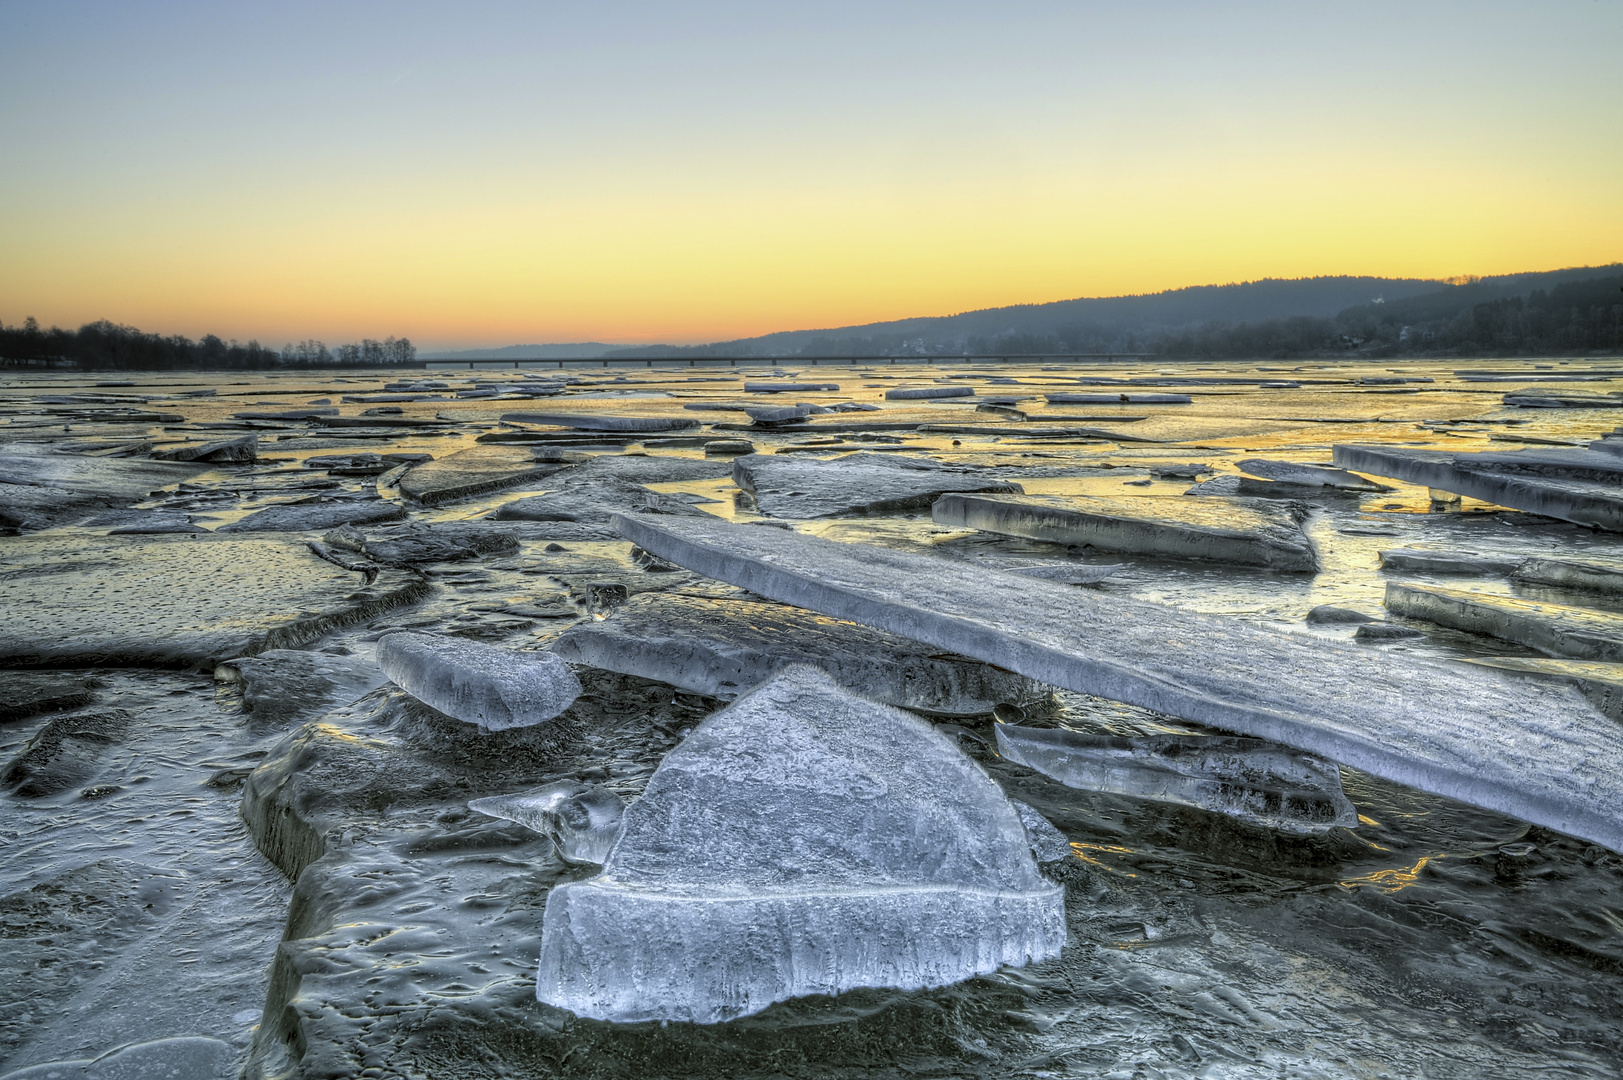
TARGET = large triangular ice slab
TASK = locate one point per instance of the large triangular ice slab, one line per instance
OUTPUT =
(802, 841)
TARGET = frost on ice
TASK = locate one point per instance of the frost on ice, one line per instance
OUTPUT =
(801, 841)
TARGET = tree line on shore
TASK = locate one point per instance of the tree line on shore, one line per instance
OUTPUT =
(106, 345)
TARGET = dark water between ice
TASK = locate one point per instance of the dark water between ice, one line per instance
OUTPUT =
(1435, 940)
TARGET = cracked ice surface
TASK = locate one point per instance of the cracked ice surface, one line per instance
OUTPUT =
(801, 841)
(1538, 752)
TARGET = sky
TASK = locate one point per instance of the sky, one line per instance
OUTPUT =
(481, 174)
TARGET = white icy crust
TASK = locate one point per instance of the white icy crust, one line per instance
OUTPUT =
(480, 684)
(1536, 751)
(802, 841)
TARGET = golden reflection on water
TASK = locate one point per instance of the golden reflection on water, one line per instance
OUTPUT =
(1394, 880)
(1082, 852)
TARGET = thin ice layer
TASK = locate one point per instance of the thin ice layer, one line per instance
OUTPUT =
(1253, 780)
(722, 648)
(1534, 751)
(176, 601)
(801, 841)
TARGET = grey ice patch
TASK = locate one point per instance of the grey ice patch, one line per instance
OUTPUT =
(313, 515)
(40, 487)
(177, 601)
(1252, 780)
(477, 683)
(471, 472)
(416, 543)
(801, 841)
(593, 501)
(1421, 561)
(182, 1058)
(864, 483)
(242, 450)
(24, 694)
(1563, 573)
(284, 686)
(64, 753)
(918, 393)
(581, 821)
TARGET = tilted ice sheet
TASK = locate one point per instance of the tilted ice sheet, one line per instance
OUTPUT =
(723, 648)
(1243, 533)
(801, 841)
(1535, 751)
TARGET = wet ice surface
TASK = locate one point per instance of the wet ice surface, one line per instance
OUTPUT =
(1433, 940)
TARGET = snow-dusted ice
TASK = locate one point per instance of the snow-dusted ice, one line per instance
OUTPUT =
(480, 684)
(1256, 781)
(801, 841)
(582, 821)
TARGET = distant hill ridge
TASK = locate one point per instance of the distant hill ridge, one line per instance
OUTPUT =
(1128, 323)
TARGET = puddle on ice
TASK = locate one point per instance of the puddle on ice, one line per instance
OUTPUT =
(141, 924)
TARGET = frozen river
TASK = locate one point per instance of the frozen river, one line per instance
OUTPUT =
(152, 924)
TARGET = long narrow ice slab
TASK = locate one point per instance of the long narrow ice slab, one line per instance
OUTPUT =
(1290, 472)
(802, 841)
(1245, 534)
(1535, 751)
(1252, 780)
(601, 421)
(1535, 482)
(1553, 629)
